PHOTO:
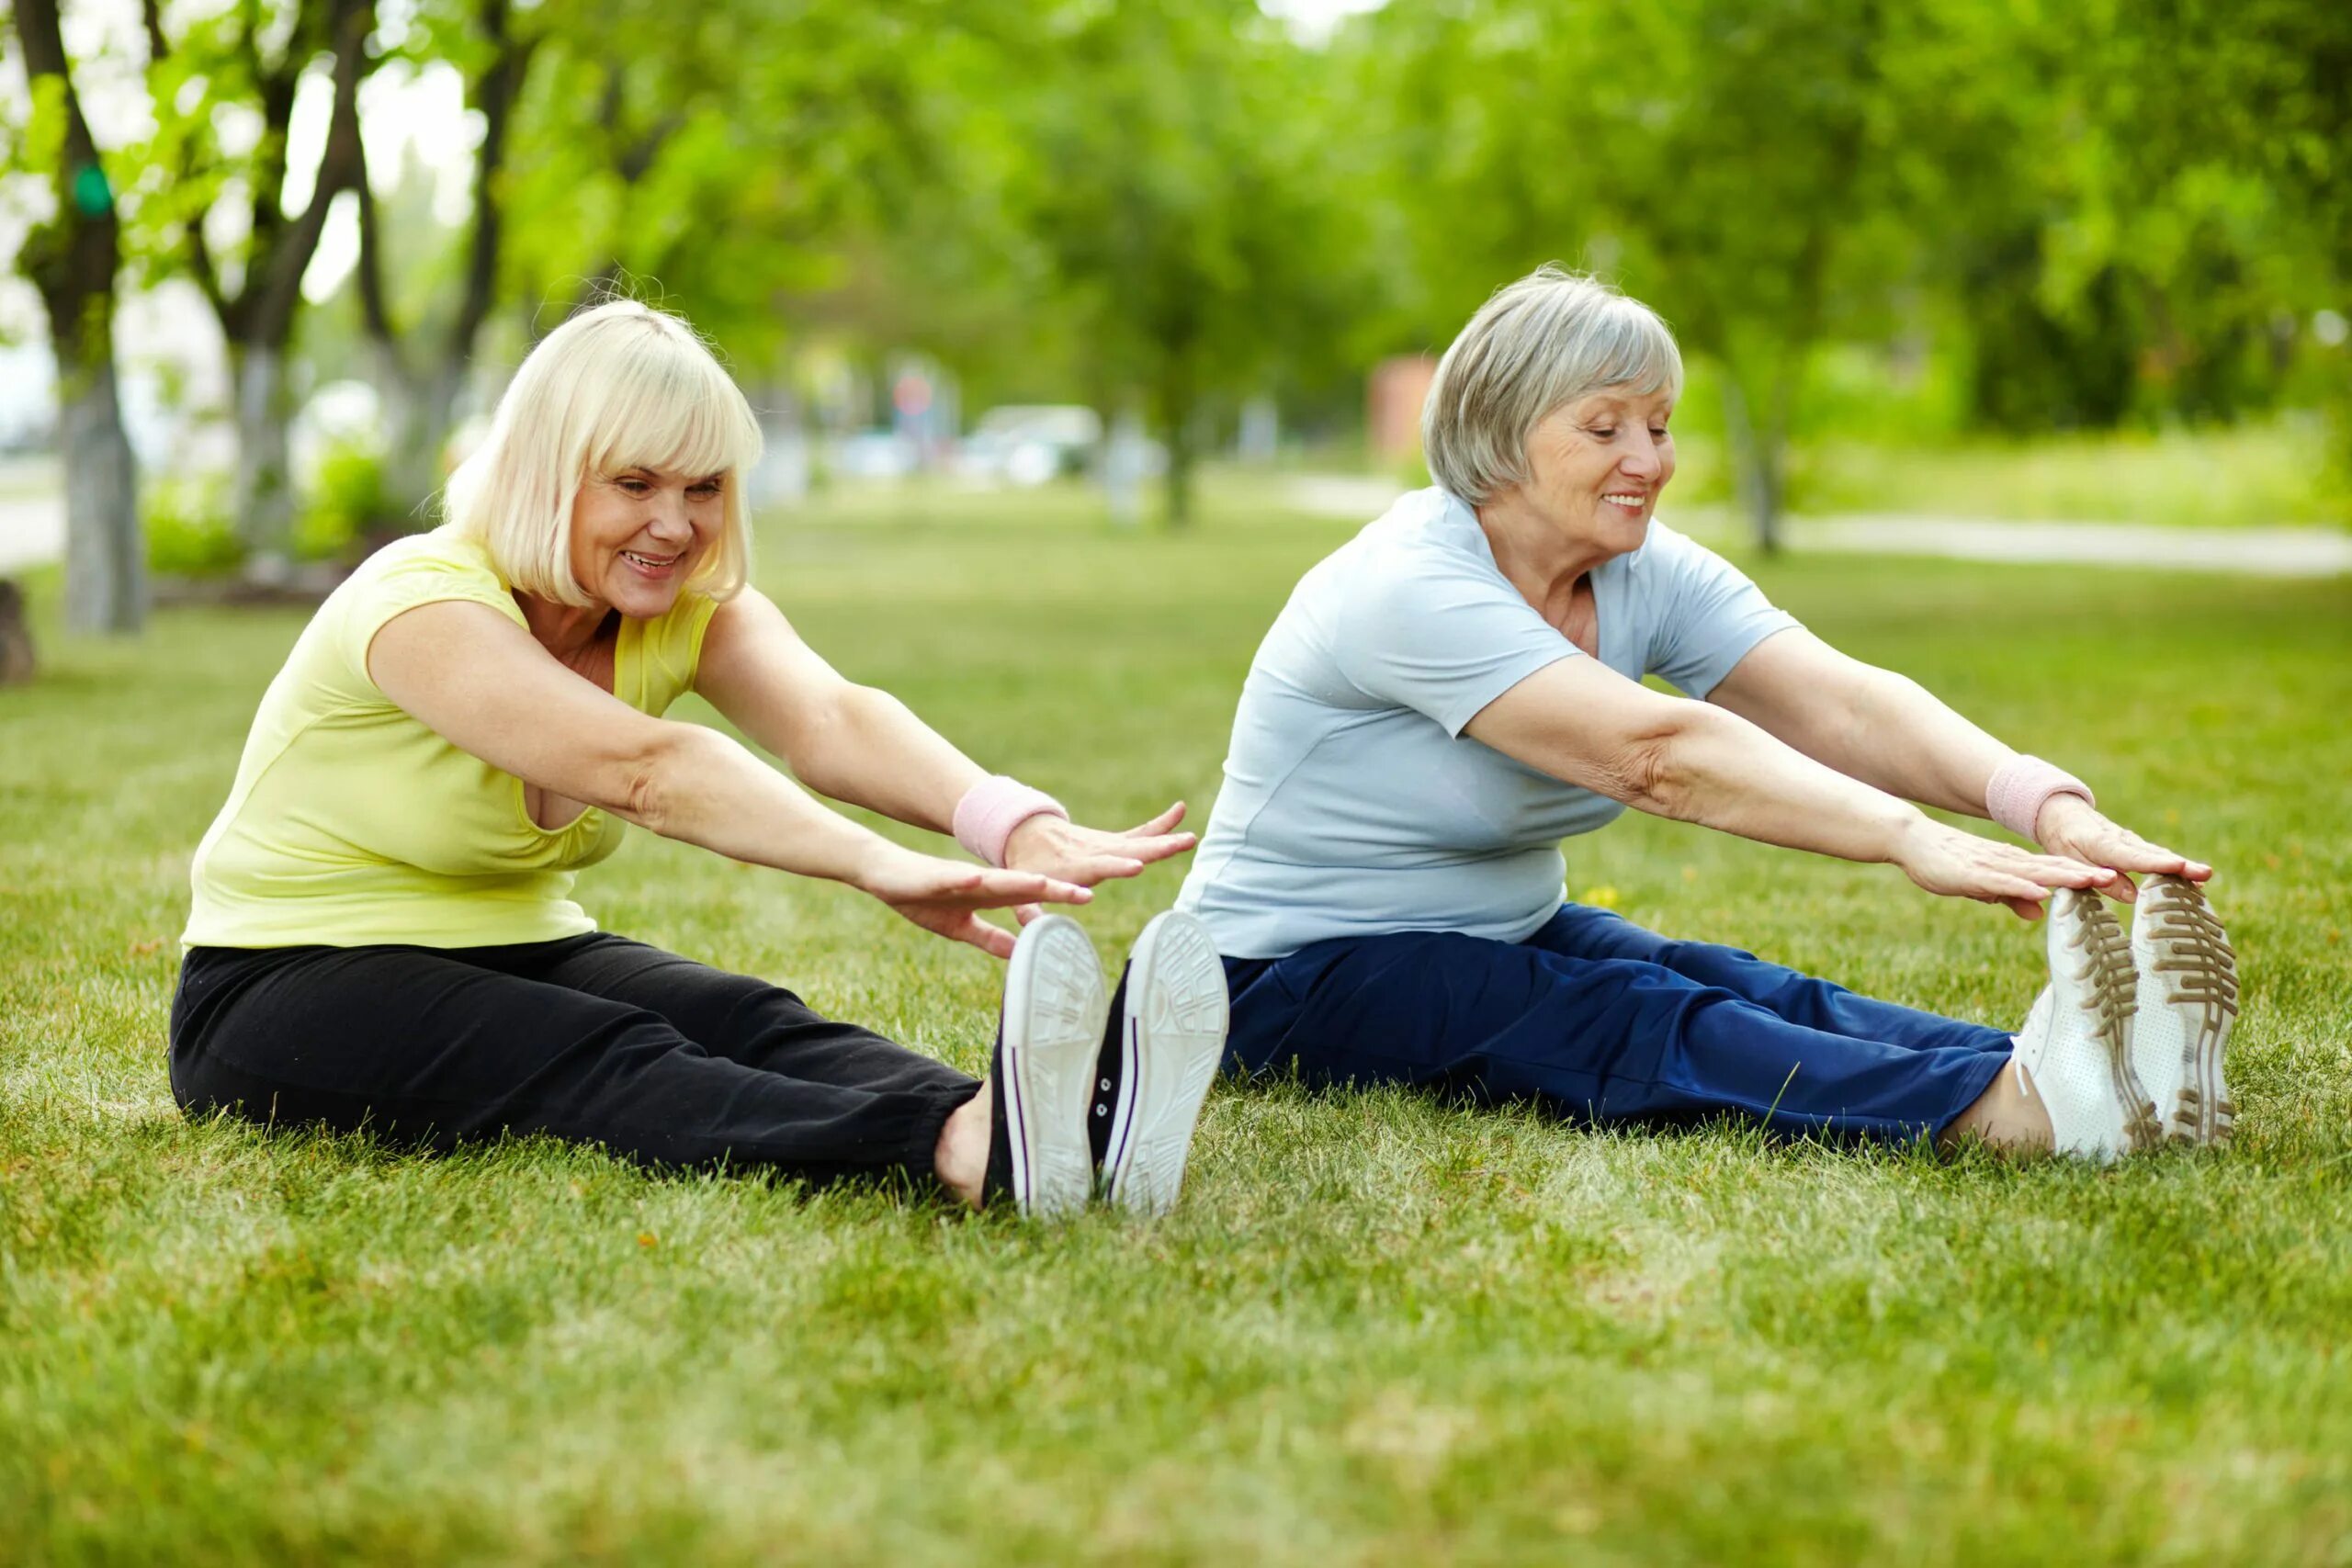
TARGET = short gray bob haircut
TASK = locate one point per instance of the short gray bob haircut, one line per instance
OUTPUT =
(1548, 339)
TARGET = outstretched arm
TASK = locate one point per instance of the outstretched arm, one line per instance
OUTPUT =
(862, 745)
(1583, 723)
(1892, 733)
(485, 685)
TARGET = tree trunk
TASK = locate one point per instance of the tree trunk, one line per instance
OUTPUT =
(17, 662)
(72, 259)
(264, 488)
(105, 566)
(1759, 456)
(1178, 412)
(419, 411)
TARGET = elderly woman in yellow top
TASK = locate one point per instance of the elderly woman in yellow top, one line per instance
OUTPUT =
(383, 934)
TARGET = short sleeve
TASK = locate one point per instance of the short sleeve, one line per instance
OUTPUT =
(1707, 613)
(1433, 631)
(383, 588)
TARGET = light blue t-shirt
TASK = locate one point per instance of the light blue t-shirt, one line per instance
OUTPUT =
(1352, 804)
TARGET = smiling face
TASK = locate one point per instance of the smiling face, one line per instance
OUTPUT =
(637, 535)
(1595, 467)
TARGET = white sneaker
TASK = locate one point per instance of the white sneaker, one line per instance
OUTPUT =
(2188, 998)
(1154, 1073)
(1044, 1067)
(2074, 1051)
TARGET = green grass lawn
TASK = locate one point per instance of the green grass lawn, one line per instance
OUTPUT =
(2281, 474)
(1379, 1330)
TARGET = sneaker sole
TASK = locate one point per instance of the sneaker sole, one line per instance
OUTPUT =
(2185, 955)
(1172, 1041)
(1055, 1005)
(2106, 955)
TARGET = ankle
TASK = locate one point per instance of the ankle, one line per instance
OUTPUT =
(2008, 1116)
(960, 1160)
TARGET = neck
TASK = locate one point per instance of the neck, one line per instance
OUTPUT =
(1539, 558)
(564, 630)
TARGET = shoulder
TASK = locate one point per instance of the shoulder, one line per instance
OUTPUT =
(1671, 566)
(680, 629)
(422, 568)
(1425, 549)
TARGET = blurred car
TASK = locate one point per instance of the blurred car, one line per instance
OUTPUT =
(1030, 444)
(872, 455)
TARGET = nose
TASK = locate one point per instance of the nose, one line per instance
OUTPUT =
(668, 521)
(1644, 461)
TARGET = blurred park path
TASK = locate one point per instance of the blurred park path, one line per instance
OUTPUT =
(32, 532)
(32, 515)
(2260, 552)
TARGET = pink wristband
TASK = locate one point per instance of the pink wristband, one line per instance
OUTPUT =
(992, 808)
(2021, 788)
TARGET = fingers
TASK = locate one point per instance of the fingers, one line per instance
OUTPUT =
(1157, 849)
(2059, 871)
(1162, 823)
(994, 941)
(1025, 913)
(998, 889)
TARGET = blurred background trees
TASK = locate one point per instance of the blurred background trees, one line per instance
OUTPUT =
(1195, 221)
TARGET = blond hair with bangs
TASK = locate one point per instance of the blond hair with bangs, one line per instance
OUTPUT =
(1546, 340)
(618, 387)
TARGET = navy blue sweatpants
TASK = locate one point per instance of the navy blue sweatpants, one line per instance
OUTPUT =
(1596, 1018)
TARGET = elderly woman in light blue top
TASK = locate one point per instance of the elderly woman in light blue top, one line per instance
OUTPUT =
(1458, 688)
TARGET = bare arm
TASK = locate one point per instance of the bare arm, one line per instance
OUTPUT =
(862, 745)
(484, 685)
(1583, 723)
(854, 743)
(1892, 733)
(1869, 724)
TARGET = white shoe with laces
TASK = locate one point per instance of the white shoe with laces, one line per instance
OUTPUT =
(2074, 1051)
(1043, 1068)
(2188, 999)
(1169, 1019)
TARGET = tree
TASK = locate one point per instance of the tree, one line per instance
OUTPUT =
(1165, 178)
(221, 65)
(421, 390)
(72, 259)
(1730, 159)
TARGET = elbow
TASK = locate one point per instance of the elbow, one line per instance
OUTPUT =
(653, 779)
(1659, 771)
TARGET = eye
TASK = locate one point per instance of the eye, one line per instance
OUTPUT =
(1658, 433)
(1604, 432)
(632, 484)
(705, 489)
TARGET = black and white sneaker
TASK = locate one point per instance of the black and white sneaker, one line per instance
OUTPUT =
(1048, 1039)
(1170, 1018)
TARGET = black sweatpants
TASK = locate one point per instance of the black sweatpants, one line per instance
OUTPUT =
(594, 1037)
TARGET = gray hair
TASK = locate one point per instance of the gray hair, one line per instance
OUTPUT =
(1548, 339)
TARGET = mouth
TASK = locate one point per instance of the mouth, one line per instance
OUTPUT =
(1632, 501)
(653, 566)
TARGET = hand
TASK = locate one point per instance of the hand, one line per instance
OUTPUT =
(2069, 825)
(942, 896)
(1965, 865)
(1089, 855)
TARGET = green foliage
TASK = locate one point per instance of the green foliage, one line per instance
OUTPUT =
(189, 528)
(1379, 1330)
(347, 499)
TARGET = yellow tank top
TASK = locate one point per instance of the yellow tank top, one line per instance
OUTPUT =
(351, 823)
